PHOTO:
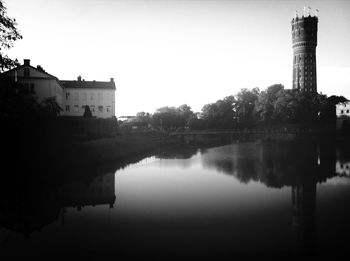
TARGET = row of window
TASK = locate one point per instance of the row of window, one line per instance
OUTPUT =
(297, 33)
(304, 83)
(342, 111)
(345, 166)
(306, 72)
(92, 108)
(303, 58)
(83, 96)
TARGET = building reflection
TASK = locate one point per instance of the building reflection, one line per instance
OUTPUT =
(35, 205)
(300, 166)
(99, 191)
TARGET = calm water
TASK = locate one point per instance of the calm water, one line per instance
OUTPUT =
(246, 199)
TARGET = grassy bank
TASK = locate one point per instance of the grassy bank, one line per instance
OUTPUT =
(97, 157)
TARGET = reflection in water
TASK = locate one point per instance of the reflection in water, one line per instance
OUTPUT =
(303, 223)
(274, 164)
(35, 206)
(299, 167)
(282, 164)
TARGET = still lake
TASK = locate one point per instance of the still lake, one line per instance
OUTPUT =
(250, 199)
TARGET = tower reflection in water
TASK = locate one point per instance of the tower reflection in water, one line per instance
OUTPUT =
(300, 166)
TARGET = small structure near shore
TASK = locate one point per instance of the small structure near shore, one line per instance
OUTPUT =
(343, 116)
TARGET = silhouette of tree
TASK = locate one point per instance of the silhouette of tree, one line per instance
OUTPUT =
(142, 119)
(87, 112)
(51, 107)
(264, 106)
(245, 105)
(171, 118)
(219, 114)
(8, 35)
(328, 114)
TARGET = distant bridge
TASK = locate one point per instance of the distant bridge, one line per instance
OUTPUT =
(212, 132)
(278, 134)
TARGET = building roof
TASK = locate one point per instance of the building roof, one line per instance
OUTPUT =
(344, 104)
(39, 69)
(82, 84)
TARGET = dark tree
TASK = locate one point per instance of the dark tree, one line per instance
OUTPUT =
(265, 105)
(8, 35)
(51, 107)
(219, 115)
(87, 112)
(328, 114)
(244, 106)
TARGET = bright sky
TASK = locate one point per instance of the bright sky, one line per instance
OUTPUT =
(171, 52)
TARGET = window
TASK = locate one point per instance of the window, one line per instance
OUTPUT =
(32, 90)
(108, 108)
(347, 111)
(67, 108)
(76, 108)
(92, 96)
(341, 111)
(76, 96)
(67, 95)
(26, 72)
(99, 96)
(92, 108)
(100, 108)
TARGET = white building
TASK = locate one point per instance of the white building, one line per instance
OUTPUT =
(99, 96)
(37, 81)
(71, 96)
(343, 115)
(342, 168)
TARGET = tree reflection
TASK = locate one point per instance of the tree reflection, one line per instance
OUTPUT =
(277, 164)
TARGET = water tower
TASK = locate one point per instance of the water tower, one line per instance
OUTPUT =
(304, 39)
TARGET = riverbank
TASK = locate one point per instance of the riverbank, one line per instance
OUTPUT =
(86, 159)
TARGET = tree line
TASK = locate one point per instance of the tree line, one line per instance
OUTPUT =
(249, 108)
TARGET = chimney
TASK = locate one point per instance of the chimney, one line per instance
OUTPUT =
(79, 78)
(112, 79)
(40, 68)
(26, 62)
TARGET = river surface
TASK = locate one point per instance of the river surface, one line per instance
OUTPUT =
(242, 200)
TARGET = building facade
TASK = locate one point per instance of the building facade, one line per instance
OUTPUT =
(35, 79)
(71, 96)
(99, 96)
(304, 42)
(343, 116)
